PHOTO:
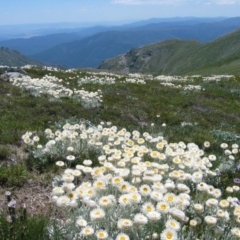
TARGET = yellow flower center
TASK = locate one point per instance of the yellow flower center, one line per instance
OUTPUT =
(90, 192)
(97, 213)
(80, 192)
(149, 208)
(134, 197)
(71, 195)
(148, 164)
(169, 235)
(97, 171)
(170, 198)
(163, 207)
(101, 235)
(173, 224)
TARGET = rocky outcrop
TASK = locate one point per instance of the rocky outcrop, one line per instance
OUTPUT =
(11, 72)
(6, 76)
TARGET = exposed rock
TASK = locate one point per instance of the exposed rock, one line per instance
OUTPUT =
(11, 72)
(6, 76)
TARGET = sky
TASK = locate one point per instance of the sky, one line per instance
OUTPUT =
(99, 11)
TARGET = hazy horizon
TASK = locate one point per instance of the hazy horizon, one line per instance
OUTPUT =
(105, 23)
(14, 12)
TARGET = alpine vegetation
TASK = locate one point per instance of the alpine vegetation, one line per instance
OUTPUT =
(187, 87)
(117, 184)
(52, 86)
(97, 80)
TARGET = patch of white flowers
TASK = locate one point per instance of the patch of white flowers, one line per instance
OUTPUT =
(186, 87)
(217, 78)
(95, 79)
(164, 78)
(183, 124)
(134, 80)
(53, 87)
(29, 66)
(143, 187)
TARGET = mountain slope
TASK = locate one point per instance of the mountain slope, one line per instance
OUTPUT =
(14, 58)
(174, 57)
(91, 51)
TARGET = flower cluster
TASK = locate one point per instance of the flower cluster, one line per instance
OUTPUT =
(143, 187)
(100, 73)
(89, 99)
(95, 79)
(66, 143)
(29, 66)
(134, 80)
(217, 78)
(52, 86)
(164, 78)
(187, 87)
(183, 124)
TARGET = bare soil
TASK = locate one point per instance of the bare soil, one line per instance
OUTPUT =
(35, 194)
(35, 197)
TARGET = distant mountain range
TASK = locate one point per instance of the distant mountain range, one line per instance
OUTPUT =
(91, 51)
(69, 47)
(89, 47)
(179, 57)
(41, 29)
(14, 58)
(36, 44)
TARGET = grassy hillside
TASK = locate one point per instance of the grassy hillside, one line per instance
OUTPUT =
(131, 104)
(176, 57)
(14, 58)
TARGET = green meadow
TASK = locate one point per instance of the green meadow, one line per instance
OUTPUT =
(175, 113)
